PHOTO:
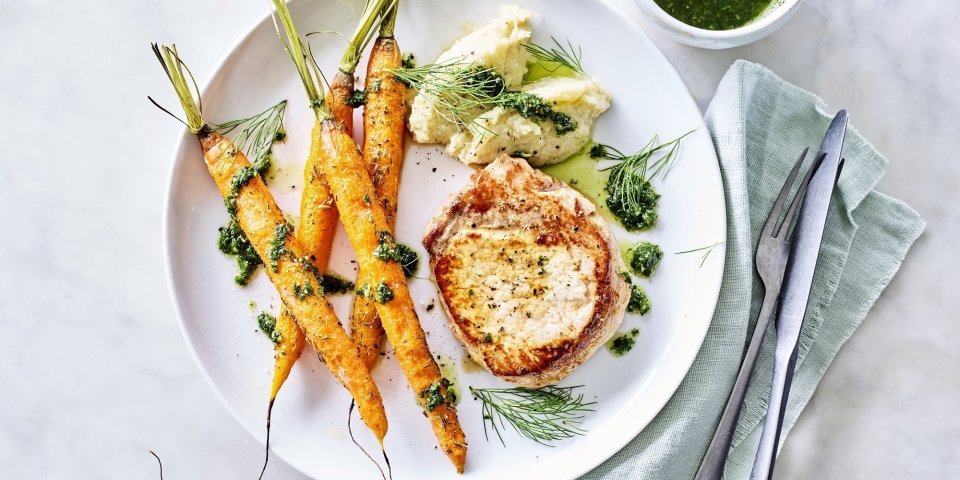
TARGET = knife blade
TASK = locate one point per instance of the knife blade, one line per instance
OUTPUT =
(798, 281)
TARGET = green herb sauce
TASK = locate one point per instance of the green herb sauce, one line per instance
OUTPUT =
(363, 291)
(526, 104)
(622, 344)
(278, 245)
(333, 284)
(233, 242)
(580, 172)
(357, 98)
(302, 291)
(389, 249)
(535, 107)
(268, 325)
(382, 293)
(437, 394)
(715, 14)
(241, 178)
(636, 209)
(262, 165)
(645, 257)
(639, 301)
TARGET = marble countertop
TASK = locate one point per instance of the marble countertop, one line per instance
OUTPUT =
(94, 371)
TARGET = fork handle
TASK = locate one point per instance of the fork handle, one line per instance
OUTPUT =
(784, 360)
(716, 457)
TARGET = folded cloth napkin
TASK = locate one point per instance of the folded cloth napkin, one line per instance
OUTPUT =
(759, 124)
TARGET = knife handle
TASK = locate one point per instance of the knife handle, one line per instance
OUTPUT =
(714, 461)
(785, 359)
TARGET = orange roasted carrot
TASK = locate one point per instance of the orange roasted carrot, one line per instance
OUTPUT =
(366, 226)
(318, 212)
(287, 263)
(383, 128)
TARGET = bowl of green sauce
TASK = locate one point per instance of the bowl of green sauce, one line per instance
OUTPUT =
(718, 23)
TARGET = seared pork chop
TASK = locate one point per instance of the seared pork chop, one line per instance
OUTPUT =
(529, 273)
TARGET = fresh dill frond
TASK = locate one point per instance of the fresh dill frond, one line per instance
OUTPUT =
(460, 91)
(557, 56)
(631, 197)
(706, 251)
(257, 134)
(543, 415)
(457, 88)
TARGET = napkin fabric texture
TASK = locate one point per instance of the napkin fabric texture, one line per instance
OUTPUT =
(759, 125)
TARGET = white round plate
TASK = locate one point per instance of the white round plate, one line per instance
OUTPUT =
(309, 420)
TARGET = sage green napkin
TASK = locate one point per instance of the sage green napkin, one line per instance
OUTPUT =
(759, 124)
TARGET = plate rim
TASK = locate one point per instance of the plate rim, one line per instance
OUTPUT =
(600, 452)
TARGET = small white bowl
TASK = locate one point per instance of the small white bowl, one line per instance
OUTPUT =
(775, 16)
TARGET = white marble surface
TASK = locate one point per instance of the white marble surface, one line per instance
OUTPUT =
(93, 371)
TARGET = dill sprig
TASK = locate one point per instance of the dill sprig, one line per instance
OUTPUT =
(631, 197)
(638, 166)
(543, 415)
(707, 250)
(551, 59)
(257, 135)
(457, 88)
(460, 90)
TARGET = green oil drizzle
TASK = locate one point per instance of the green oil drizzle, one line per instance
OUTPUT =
(538, 71)
(580, 172)
(449, 371)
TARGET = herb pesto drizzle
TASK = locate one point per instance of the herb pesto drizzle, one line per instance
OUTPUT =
(278, 244)
(644, 258)
(622, 344)
(381, 293)
(268, 325)
(257, 135)
(639, 301)
(233, 242)
(388, 249)
(438, 393)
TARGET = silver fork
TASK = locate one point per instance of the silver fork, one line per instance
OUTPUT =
(773, 251)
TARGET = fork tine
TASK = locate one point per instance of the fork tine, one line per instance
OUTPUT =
(790, 221)
(778, 205)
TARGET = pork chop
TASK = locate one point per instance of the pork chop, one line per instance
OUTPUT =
(528, 271)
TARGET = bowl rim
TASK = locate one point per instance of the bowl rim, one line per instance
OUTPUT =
(763, 23)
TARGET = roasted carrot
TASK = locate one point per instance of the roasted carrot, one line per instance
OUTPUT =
(366, 225)
(383, 128)
(318, 213)
(288, 266)
(386, 285)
